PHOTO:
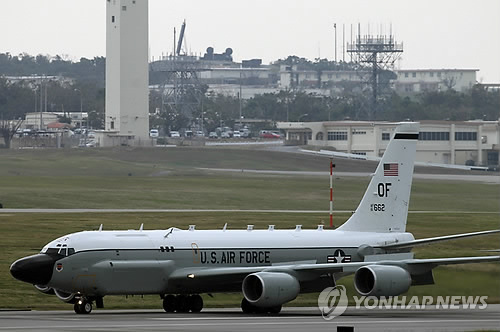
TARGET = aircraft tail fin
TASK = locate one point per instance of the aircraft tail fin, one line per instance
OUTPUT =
(384, 207)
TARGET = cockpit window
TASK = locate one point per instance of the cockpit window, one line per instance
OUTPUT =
(60, 251)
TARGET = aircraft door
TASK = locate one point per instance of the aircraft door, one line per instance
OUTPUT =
(196, 253)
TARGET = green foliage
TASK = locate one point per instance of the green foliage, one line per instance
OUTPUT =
(91, 70)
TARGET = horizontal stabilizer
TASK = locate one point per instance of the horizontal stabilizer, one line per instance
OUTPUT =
(420, 242)
(330, 154)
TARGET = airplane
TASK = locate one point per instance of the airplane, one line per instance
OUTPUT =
(270, 267)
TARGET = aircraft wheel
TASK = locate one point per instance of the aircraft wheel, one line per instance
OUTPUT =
(182, 302)
(76, 307)
(83, 306)
(169, 303)
(247, 307)
(195, 303)
(274, 310)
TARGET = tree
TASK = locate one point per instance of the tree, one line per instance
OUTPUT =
(8, 129)
(15, 101)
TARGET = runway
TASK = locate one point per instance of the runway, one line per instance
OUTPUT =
(291, 319)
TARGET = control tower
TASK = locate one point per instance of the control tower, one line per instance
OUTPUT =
(127, 95)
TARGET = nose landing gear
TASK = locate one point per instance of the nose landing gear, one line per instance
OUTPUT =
(83, 306)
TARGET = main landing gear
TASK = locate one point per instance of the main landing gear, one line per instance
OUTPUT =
(182, 303)
(249, 308)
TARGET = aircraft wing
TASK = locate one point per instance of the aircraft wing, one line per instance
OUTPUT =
(420, 242)
(237, 274)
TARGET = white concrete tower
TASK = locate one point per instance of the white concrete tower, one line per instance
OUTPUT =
(127, 76)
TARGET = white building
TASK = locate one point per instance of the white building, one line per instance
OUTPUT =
(127, 99)
(408, 81)
(443, 142)
(420, 80)
(327, 79)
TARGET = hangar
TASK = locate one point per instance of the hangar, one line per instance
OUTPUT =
(447, 142)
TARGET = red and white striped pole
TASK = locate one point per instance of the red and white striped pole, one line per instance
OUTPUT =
(331, 192)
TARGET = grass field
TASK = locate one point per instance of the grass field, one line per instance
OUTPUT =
(168, 179)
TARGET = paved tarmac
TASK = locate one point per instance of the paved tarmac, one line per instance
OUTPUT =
(290, 319)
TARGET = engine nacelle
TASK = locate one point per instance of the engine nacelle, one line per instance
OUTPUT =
(268, 289)
(44, 289)
(65, 297)
(382, 280)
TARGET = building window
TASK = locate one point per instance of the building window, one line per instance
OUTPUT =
(124, 8)
(414, 74)
(309, 135)
(465, 136)
(432, 74)
(434, 136)
(439, 74)
(319, 136)
(386, 136)
(113, 19)
(112, 125)
(406, 74)
(337, 135)
(358, 132)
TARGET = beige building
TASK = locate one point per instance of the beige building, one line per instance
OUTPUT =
(445, 142)
(38, 120)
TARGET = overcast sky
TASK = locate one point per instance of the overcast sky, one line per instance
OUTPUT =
(436, 33)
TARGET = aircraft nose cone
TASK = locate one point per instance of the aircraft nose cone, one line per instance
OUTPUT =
(36, 269)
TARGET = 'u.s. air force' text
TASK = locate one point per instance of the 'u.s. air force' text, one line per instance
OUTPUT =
(233, 257)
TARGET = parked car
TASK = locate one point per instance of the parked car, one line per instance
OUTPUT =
(225, 134)
(236, 134)
(213, 134)
(154, 133)
(268, 134)
(175, 134)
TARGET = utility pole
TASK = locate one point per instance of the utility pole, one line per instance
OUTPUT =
(335, 27)
(240, 96)
(41, 103)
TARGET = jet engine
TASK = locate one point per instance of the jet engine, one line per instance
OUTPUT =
(65, 297)
(381, 280)
(268, 289)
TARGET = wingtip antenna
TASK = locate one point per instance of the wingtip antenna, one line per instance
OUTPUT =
(100, 228)
(141, 228)
(225, 227)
